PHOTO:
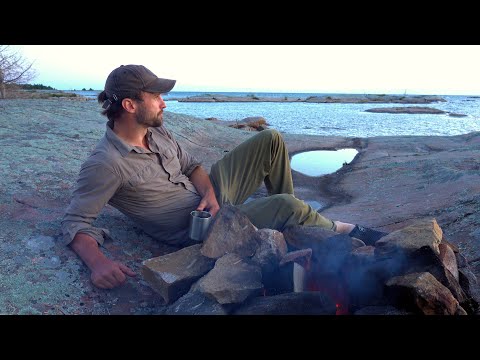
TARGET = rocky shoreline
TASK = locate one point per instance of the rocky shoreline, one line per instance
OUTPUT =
(338, 98)
(391, 183)
(413, 110)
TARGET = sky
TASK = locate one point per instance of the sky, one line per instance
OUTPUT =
(372, 69)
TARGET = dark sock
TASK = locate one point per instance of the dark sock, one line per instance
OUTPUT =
(367, 235)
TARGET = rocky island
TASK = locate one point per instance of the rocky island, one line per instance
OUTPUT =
(337, 98)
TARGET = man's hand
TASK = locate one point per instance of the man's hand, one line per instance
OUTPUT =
(108, 274)
(202, 183)
(209, 202)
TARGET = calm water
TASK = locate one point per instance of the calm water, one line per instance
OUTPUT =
(321, 162)
(335, 119)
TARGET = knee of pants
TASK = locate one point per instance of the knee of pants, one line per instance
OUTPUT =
(288, 202)
(275, 134)
(270, 134)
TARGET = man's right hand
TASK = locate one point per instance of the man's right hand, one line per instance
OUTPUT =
(108, 274)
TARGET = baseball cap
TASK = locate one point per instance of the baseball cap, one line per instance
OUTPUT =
(128, 78)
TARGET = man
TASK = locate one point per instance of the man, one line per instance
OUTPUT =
(140, 169)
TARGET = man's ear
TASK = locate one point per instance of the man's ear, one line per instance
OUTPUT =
(129, 105)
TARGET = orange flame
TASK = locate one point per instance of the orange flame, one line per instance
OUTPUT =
(333, 287)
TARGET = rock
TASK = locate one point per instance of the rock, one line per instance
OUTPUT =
(172, 275)
(230, 232)
(424, 293)
(393, 181)
(407, 110)
(233, 280)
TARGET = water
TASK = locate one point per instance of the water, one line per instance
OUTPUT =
(335, 119)
(321, 162)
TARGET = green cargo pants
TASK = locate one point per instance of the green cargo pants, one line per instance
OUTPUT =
(263, 157)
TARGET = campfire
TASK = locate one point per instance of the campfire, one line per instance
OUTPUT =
(240, 269)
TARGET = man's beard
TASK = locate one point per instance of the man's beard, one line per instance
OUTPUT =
(149, 120)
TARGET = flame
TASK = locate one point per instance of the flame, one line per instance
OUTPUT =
(341, 310)
(333, 287)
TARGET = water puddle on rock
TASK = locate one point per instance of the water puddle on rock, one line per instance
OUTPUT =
(321, 162)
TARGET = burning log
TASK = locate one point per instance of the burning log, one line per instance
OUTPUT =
(294, 303)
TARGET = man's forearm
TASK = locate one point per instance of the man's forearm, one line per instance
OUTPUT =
(201, 181)
(87, 249)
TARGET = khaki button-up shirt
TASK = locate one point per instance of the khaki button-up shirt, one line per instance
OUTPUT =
(151, 187)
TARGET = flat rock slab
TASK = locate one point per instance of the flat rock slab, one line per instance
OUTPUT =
(392, 182)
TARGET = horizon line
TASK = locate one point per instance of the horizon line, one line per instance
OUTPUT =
(302, 92)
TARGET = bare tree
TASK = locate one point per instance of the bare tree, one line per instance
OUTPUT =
(14, 68)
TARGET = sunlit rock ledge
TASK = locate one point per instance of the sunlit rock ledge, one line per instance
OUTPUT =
(392, 182)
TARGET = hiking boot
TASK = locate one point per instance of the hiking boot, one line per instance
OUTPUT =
(367, 235)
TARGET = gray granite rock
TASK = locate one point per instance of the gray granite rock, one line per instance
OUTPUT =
(392, 182)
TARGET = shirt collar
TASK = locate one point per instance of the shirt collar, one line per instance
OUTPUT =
(121, 145)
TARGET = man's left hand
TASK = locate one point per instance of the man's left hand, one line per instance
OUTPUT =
(209, 203)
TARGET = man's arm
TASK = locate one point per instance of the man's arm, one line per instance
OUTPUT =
(106, 274)
(192, 168)
(202, 183)
(95, 186)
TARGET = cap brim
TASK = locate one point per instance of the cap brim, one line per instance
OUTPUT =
(160, 86)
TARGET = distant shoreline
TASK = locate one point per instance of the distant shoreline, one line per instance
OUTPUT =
(247, 97)
(339, 98)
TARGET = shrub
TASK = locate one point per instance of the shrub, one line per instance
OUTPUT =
(36, 87)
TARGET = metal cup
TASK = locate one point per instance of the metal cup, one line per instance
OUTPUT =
(198, 225)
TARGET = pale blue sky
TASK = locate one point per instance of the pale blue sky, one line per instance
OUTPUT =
(388, 69)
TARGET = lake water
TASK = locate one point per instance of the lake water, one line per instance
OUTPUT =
(322, 162)
(335, 119)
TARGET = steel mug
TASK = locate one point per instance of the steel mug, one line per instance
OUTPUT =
(198, 225)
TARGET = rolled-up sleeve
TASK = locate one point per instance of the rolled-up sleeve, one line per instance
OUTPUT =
(96, 184)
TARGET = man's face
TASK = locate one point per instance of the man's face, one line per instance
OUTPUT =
(150, 110)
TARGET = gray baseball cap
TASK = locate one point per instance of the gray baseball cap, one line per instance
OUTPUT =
(128, 78)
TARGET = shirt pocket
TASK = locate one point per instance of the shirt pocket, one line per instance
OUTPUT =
(145, 178)
(170, 163)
